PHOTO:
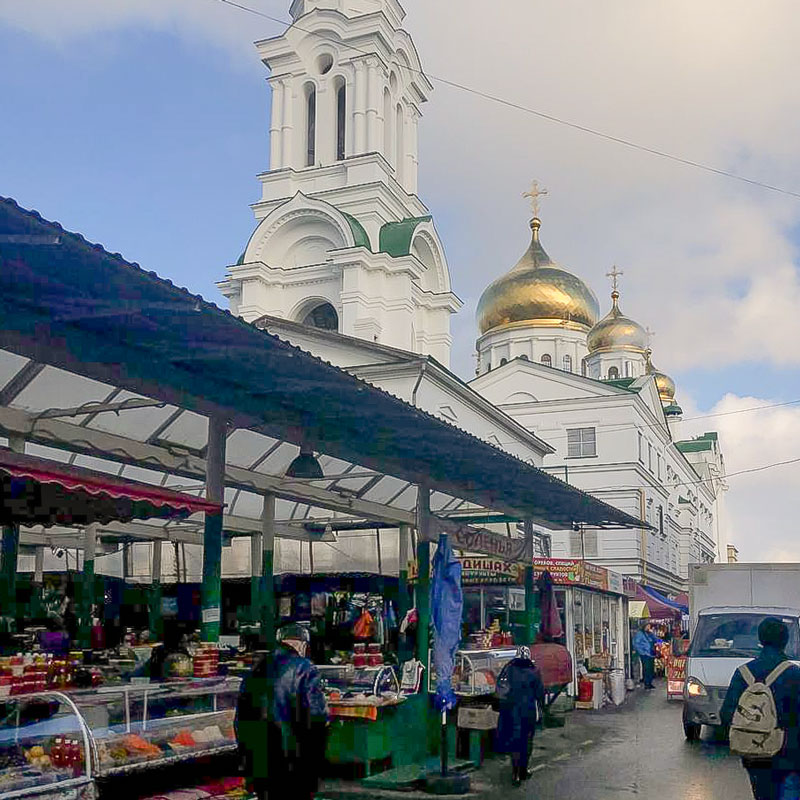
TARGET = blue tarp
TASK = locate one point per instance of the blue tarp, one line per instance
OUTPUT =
(447, 603)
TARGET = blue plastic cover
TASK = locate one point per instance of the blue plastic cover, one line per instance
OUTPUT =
(447, 604)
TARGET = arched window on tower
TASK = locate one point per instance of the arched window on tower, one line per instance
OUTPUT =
(399, 143)
(311, 125)
(547, 360)
(567, 361)
(613, 373)
(341, 118)
(323, 316)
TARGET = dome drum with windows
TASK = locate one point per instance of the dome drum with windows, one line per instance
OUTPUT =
(616, 332)
(537, 292)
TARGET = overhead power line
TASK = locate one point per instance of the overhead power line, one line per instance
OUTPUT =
(629, 143)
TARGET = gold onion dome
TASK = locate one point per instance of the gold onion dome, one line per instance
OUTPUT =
(664, 384)
(538, 292)
(616, 332)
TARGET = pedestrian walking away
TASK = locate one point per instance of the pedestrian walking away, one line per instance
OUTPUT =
(281, 721)
(521, 693)
(762, 708)
(644, 643)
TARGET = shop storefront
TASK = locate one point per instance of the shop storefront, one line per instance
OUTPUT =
(593, 611)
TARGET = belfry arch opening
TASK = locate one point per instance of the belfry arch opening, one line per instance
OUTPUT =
(322, 316)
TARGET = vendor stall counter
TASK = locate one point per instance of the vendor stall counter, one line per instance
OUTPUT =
(54, 745)
(476, 671)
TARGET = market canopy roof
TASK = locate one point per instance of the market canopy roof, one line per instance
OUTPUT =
(70, 308)
(37, 491)
(659, 606)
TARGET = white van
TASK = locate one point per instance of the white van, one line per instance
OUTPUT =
(724, 638)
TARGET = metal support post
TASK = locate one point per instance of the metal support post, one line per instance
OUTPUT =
(212, 535)
(255, 577)
(156, 626)
(530, 589)
(424, 596)
(267, 572)
(87, 585)
(10, 551)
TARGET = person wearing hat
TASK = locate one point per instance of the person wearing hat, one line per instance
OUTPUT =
(281, 720)
(522, 697)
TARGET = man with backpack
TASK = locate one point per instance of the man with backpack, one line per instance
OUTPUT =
(762, 708)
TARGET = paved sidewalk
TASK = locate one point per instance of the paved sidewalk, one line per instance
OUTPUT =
(552, 747)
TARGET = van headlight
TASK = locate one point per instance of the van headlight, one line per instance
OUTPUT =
(695, 689)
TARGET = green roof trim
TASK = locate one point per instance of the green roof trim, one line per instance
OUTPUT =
(673, 409)
(621, 383)
(694, 446)
(359, 234)
(395, 237)
(240, 261)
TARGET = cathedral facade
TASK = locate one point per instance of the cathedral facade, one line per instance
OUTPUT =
(345, 262)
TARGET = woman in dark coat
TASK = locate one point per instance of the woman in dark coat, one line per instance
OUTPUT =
(522, 695)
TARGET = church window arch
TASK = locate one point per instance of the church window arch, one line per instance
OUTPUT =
(311, 124)
(387, 124)
(547, 360)
(524, 357)
(340, 88)
(613, 373)
(399, 142)
(323, 317)
(567, 363)
(325, 63)
(503, 362)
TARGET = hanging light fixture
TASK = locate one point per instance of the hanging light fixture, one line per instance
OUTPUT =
(305, 465)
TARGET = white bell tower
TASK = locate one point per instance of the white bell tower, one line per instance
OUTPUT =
(340, 222)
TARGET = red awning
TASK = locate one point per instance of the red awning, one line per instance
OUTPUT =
(36, 491)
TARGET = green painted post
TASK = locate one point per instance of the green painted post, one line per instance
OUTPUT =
(155, 616)
(530, 588)
(424, 599)
(267, 572)
(211, 591)
(10, 555)
(87, 586)
(254, 615)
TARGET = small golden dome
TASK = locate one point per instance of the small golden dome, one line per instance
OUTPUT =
(537, 292)
(664, 384)
(616, 332)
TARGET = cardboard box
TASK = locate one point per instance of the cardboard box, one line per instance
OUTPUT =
(477, 718)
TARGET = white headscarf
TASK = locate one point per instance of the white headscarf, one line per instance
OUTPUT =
(524, 652)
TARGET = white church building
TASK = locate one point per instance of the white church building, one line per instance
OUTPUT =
(345, 262)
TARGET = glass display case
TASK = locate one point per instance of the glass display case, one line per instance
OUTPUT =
(135, 727)
(44, 748)
(353, 681)
(59, 744)
(476, 671)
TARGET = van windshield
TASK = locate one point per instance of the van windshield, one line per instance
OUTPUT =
(735, 635)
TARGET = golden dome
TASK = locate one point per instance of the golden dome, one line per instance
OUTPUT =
(616, 332)
(537, 292)
(664, 384)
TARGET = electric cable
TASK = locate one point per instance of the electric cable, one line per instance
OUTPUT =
(629, 143)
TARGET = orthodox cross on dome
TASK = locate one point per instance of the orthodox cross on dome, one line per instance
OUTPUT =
(615, 275)
(533, 195)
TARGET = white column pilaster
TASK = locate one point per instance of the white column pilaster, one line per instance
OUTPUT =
(360, 122)
(275, 132)
(412, 157)
(373, 101)
(287, 128)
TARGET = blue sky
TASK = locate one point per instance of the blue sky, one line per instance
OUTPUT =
(142, 125)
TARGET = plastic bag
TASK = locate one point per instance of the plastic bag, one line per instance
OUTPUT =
(365, 626)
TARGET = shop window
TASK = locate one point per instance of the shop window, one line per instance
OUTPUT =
(581, 442)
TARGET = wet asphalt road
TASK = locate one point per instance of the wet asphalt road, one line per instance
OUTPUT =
(640, 751)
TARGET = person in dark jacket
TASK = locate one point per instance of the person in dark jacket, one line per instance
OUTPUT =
(519, 709)
(281, 721)
(777, 778)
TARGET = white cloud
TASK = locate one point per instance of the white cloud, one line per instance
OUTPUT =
(759, 508)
